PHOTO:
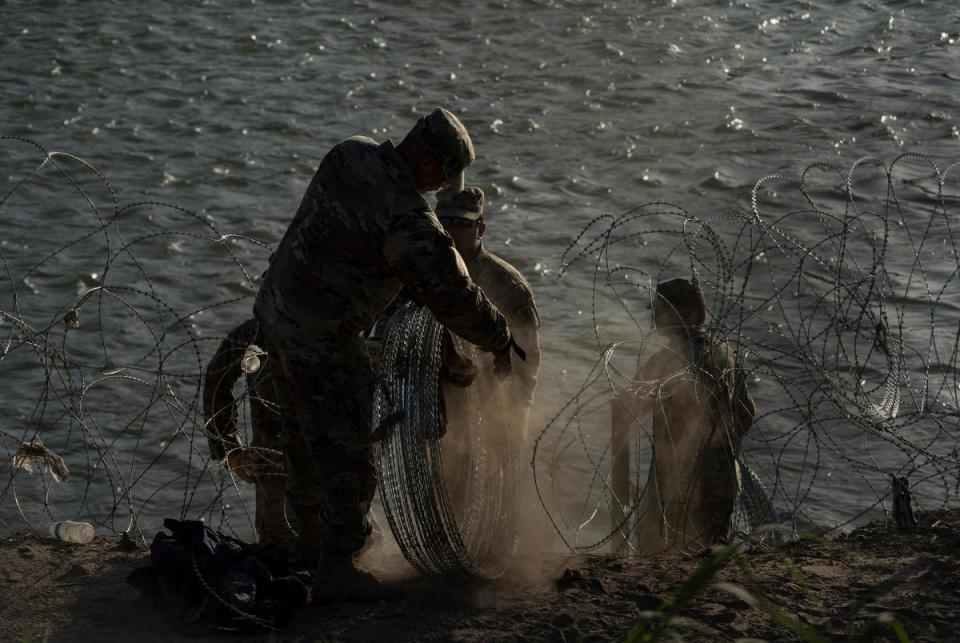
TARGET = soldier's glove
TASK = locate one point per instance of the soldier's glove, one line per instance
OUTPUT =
(241, 464)
(375, 350)
(501, 358)
(458, 369)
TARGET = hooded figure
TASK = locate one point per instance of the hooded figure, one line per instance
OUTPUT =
(700, 409)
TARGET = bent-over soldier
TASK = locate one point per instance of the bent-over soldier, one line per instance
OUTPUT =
(362, 231)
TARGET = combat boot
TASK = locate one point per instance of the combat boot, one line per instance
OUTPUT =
(306, 550)
(341, 581)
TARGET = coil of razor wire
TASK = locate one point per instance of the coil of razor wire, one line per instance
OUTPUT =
(837, 291)
(435, 534)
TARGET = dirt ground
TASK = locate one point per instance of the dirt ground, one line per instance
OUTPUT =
(54, 591)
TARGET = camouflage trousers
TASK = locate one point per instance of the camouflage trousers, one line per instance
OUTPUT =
(273, 519)
(331, 477)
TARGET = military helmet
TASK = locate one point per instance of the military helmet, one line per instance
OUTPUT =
(465, 204)
(444, 135)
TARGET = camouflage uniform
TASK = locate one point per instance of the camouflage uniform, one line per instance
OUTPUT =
(701, 411)
(361, 232)
(490, 403)
(511, 294)
(266, 419)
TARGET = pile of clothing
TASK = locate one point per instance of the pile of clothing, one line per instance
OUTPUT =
(206, 580)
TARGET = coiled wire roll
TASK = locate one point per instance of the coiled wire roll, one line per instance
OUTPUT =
(462, 520)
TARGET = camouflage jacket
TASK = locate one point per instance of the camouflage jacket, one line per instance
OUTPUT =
(361, 232)
(511, 294)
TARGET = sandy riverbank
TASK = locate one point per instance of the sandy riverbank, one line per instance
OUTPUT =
(62, 592)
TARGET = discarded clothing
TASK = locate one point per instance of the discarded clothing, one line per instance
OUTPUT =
(208, 580)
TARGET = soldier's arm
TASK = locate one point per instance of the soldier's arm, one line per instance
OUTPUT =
(525, 327)
(422, 256)
(219, 405)
(651, 376)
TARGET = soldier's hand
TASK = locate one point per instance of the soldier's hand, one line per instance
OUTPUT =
(241, 464)
(374, 349)
(458, 369)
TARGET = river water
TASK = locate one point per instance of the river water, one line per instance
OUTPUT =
(576, 108)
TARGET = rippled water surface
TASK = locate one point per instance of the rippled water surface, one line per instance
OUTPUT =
(576, 108)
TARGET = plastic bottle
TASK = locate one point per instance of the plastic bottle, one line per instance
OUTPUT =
(72, 532)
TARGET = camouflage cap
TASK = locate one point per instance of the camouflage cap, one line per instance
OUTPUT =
(465, 204)
(447, 138)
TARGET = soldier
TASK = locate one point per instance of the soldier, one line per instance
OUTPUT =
(701, 412)
(362, 231)
(490, 416)
(461, 214)
(261, 463)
